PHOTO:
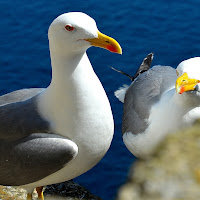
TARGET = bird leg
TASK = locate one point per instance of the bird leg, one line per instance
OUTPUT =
(40, 193)
(29, 196)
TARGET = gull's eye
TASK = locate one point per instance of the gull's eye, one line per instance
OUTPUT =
(177, 73)
(69, 28)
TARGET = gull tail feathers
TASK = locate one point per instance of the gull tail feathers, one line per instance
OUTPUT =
(120, 93)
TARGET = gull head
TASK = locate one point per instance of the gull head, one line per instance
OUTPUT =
(76, 32)
(188, 72)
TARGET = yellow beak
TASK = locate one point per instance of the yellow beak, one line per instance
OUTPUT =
(106, 42)
(183, 84)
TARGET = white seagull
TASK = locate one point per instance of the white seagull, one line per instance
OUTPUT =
(159, 101)
(55, 134)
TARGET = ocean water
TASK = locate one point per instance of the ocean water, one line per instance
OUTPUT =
(170, 29)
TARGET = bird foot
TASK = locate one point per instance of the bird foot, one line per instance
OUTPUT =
(29, 196)
(40, 193)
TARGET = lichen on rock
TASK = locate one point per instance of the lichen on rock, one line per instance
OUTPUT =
(171, 173)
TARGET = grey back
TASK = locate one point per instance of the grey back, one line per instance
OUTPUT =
(144, 92)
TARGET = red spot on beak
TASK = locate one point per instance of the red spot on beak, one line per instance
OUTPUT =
(111, 48)
(182, 90)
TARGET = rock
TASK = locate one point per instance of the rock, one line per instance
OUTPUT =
(12, 193)
(62, 191)
(68, 189)
(171, 173)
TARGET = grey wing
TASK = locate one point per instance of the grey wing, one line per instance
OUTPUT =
(19, 95)
(32, 158)
(28, 149)
(144, 92)
(20, 119)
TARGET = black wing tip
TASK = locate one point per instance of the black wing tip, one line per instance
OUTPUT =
(148, 59)
(145, 65)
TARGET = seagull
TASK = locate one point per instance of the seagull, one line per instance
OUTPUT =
(50, 135)
(158, 102)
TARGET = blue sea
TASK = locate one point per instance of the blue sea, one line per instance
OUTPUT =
(170, 29)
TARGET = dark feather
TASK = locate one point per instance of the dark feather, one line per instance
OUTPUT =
(142, 68)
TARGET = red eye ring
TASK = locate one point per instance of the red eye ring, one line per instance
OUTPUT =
(69, 28)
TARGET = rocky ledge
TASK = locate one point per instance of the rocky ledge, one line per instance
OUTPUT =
(63, 191)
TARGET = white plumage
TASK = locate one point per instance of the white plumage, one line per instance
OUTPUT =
(70, 124)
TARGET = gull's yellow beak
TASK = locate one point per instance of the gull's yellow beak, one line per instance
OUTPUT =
(183, 83)
(106, 42)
